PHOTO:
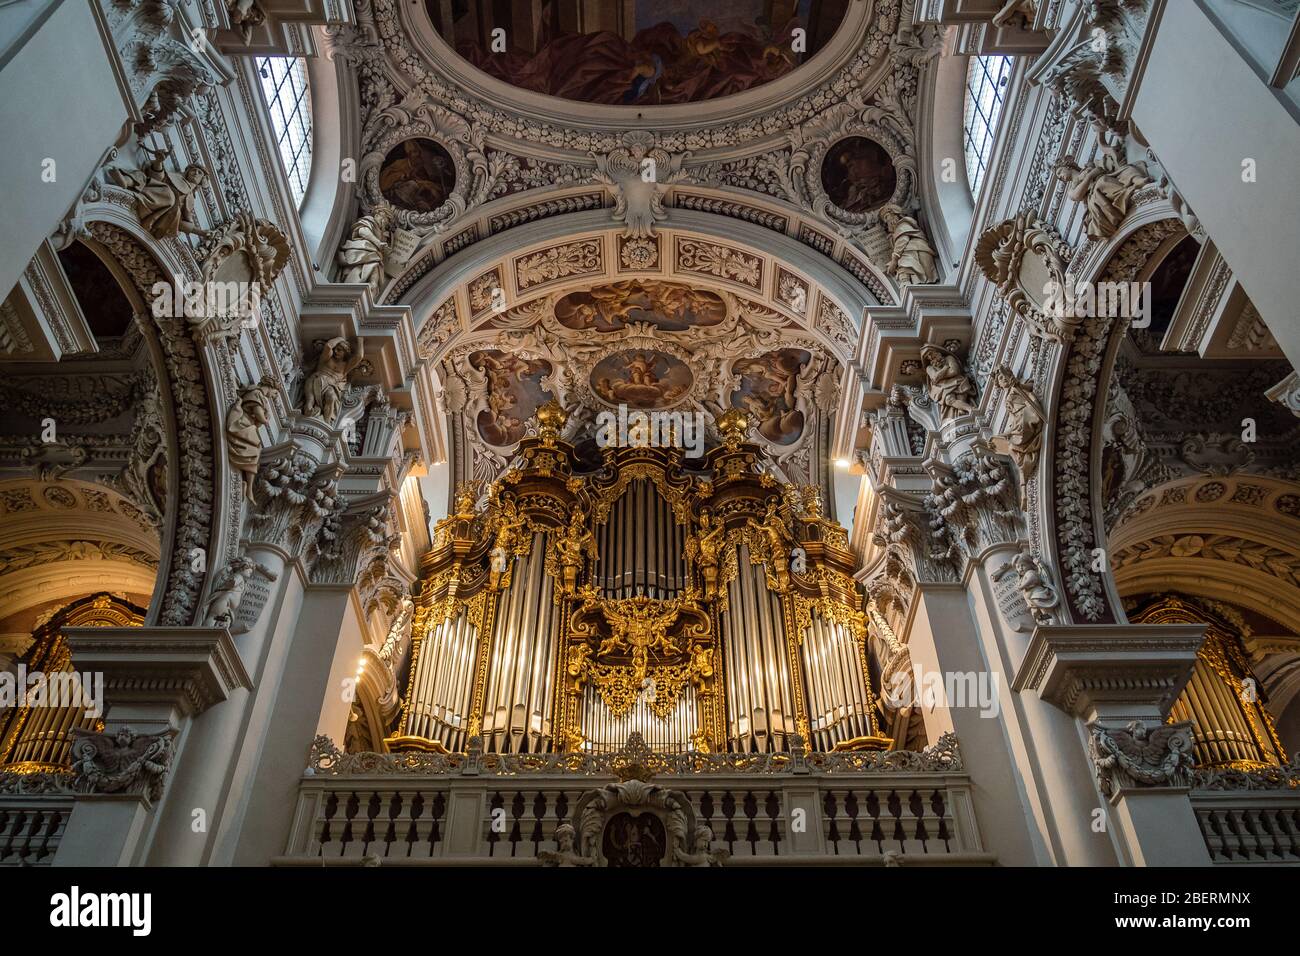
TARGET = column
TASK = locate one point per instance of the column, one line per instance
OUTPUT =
(156, 681)
(1118, 682)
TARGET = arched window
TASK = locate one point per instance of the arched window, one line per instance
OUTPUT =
(986, 84)
(284, 87)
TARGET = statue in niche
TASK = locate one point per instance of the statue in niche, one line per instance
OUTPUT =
(912, 260)
(164, 198)
(703, 548)
(578, 541)
(1034, 580)
(1106, 186)
(1023, 436)
(323, 393)
(228, 593)
(243, 438)
(946, 382)
(362, 254)
(565, 855)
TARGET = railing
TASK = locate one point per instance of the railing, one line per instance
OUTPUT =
(411, 809)
(1250, 817)
(34, 810)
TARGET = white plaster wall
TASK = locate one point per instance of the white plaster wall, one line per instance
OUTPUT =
(59, 99)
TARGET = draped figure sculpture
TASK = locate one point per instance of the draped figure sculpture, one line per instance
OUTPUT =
(323, 394)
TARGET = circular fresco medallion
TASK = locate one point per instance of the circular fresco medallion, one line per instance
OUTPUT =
(417, 174)
(858, 175)
(641, 379)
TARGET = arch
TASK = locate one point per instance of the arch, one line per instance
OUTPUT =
(1082, 371)
(190, 383)
(584, 248)
(62, 539)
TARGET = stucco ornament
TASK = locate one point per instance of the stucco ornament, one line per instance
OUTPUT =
(641, 173)
(123, 762)
(1029, 264)
(1140, 756)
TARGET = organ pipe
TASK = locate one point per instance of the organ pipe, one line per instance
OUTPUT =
(575, 607)
(1231, 727)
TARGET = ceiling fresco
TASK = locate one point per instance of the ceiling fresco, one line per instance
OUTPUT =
(645, 52)
(668, 306)
(643, 345)
(641, 380)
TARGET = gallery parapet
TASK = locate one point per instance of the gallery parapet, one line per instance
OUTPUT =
(326, 760)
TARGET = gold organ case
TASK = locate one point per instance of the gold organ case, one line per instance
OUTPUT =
(699, 602)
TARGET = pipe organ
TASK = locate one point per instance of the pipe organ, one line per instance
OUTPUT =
(1231, 727)
(38, 739)
(707, 607)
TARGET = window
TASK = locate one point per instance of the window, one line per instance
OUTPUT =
(284, 87)
(986, 84)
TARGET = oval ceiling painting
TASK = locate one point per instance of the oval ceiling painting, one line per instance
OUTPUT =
(641, 379)
(637, 52)
(514, 393)
(666, 305)
(858, 174)
(417, 174)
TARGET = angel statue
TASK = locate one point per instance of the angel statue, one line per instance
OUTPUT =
(578, 541)
(948, 385)
(779, 541)
(323, 393)
(565, 855)
(1022, 438)
(703, 549)
(243, 436)
(164, 198)
(1034, 580)
(701, 853)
